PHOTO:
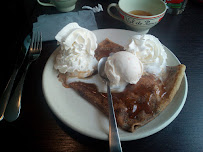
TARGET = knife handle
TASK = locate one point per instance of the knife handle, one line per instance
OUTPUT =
(13, 108)
(6, 94)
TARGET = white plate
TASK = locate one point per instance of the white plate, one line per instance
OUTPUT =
(80, 115)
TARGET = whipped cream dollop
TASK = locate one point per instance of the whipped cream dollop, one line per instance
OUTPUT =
(77, 49)
(150, 52)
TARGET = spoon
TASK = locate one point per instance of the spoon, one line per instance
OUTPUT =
(114, 140)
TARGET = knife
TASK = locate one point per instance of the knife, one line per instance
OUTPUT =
(7, 91)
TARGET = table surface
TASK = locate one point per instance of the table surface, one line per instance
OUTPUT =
(37, 129)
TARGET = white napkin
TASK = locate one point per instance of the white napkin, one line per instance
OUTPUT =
(95, 9)
(50, 25)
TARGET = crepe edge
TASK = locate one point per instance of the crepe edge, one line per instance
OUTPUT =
(178, 79)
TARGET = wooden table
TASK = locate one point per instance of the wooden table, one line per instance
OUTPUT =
(37, 129)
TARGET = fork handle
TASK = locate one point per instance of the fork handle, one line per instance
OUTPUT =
(6, 94)
(13, 108)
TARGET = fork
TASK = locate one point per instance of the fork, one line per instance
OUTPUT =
(13, 108)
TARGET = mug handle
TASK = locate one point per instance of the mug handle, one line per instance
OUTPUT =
(45, 4)
(111, 14)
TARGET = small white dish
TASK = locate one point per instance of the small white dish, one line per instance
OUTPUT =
(83, 117)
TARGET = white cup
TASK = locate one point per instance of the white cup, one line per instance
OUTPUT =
(61, 5)
(139, 23)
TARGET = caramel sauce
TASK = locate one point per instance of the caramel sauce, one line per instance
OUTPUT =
(143, 96)
(137, 98)
(106, 47)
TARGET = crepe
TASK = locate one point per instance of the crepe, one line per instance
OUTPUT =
(106, 47)
(139, 103)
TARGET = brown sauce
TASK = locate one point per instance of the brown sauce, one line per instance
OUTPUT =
(106, 47)
(141, 97)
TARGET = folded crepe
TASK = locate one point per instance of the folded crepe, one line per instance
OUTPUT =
(139, 103)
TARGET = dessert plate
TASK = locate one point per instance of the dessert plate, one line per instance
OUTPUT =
(83, 117)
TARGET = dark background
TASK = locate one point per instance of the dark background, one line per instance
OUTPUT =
(37, 129)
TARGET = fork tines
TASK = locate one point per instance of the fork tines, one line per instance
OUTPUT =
(36, 42)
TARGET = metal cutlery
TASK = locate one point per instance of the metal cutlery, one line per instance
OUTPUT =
(114, 140)
(7, 91)
(13, 108)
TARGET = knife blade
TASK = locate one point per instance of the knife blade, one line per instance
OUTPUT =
(7, 91)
